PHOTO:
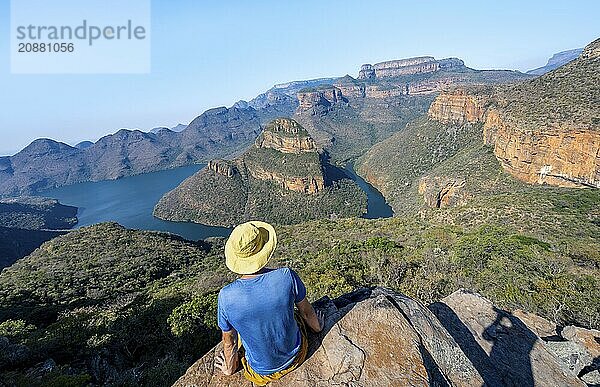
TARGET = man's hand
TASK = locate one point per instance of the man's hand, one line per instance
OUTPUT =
(220, 364)
(309, 315)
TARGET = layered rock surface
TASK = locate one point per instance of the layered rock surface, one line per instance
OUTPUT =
(377, 337)
(409, 66)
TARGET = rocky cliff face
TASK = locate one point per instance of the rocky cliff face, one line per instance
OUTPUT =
(418, 65)
(544, 131)
(458, 107)
(222, 167)
(376, 337)
(307, 184)
(555, 154)
(561, 156)
(441, 191)
(286, 136)
(323, 97)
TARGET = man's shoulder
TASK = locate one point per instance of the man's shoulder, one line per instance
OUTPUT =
(227, 290)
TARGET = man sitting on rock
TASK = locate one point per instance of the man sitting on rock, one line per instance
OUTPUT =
(258, 309)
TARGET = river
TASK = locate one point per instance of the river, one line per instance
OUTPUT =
(130, 201)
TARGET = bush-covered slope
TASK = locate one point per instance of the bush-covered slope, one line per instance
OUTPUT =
(111, 305)
(24, 225)
(35, 213)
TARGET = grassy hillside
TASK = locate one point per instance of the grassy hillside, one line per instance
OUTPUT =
(393, 166)
(24, 222)
(568, 95)
(567, 218)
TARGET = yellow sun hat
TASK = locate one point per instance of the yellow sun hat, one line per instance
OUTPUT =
(249, 247)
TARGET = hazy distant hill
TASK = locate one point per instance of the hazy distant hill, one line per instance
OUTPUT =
(84, 145)
(556, 61)
(218, 132)
(176, 128)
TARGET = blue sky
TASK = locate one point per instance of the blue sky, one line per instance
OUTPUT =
(213, 53)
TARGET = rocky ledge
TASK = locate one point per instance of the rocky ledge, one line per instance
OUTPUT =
(377, 337)
(409, 66)
(321, 98)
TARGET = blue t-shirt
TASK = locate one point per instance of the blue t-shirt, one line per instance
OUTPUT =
(261, 310)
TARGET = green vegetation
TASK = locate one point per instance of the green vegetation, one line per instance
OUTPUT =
(143, 304)
(568, 95)
(205, 197)
(266, 183)
(34, 213)
(274, 204)
(103, 302)
(351, 129)
(288, 164)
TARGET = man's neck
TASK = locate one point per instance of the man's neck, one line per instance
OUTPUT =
(261, 271)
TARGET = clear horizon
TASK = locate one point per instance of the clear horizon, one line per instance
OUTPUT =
(209, 55)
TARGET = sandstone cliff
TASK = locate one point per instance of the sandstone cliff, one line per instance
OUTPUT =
(281, 178)
(286, 136)
(544, 131)
(418, 65)
(323, 97)
(376, 337)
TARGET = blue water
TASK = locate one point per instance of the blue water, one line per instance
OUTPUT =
(377, 207)
(130, 200)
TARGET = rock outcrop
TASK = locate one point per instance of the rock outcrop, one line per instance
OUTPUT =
(556, 155)
(418, 65)
(458, 107)
(543, 131)
(286, 136)
(281, 178)
(222, 167)
(377, 337)
(323, 97)
(439, 191)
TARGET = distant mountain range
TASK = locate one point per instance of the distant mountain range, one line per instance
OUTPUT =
(218, 132)
(387, 95)
(556, 61)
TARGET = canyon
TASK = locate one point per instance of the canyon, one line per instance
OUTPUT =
(531, 141)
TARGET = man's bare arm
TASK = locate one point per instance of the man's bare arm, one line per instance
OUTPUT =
(227, 361)
(312, 318)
